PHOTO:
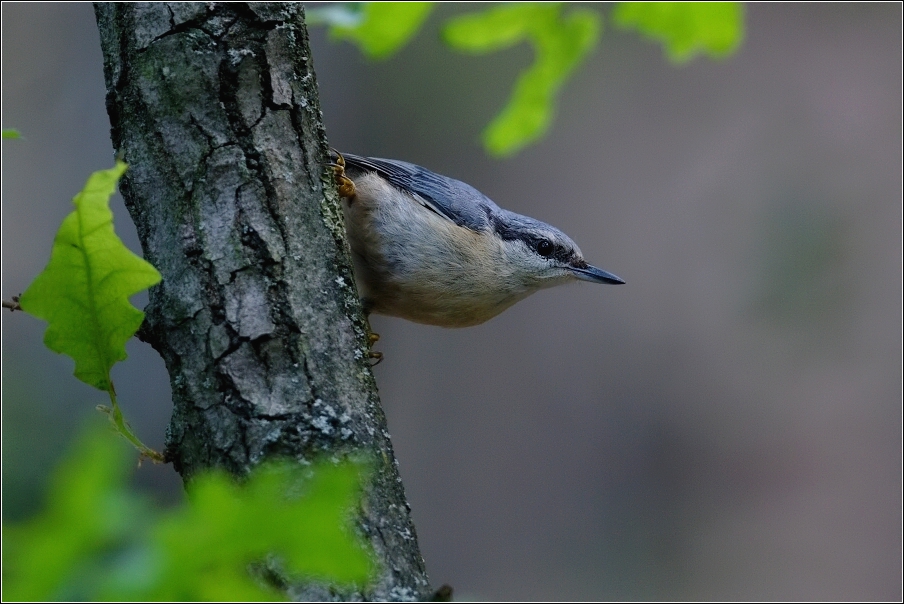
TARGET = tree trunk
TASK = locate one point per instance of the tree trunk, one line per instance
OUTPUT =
(215, 109)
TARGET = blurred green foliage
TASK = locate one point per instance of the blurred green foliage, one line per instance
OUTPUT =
(561, 41)
(378, 28)
(97, 540)
(88, 511)
(83, 293)
(686, 28)
(9, 133)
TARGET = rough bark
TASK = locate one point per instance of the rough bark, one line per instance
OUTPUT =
(215, 109)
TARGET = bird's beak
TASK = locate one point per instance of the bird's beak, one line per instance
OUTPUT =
(594, 275)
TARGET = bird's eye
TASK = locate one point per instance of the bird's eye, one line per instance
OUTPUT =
(545, 248)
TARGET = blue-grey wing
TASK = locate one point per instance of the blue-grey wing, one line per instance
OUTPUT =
(459, 202)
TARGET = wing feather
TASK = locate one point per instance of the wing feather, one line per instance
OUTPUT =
(452, 199)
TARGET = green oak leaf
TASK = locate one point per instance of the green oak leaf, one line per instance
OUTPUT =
(83, 293)
(560, 41)
(382, 28)
(686, 28)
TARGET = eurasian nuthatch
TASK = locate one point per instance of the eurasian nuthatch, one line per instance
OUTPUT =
(435, 250)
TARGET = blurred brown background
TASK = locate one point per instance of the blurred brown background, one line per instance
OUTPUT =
(726, 425)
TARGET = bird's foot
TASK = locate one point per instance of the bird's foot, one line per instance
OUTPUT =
(376, 357)
(344, 184)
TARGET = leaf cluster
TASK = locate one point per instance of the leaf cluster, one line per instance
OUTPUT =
(562, 38)
(96, 539)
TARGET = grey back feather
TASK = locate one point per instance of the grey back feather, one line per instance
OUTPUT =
(466, 206)
(459, 202)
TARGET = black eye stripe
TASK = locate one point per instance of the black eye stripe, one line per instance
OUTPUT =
(508, 230)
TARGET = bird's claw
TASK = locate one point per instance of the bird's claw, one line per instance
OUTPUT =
(344, 185)
(376, 357)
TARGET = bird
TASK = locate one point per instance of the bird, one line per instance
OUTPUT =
(435, 250)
